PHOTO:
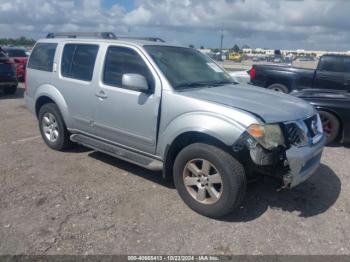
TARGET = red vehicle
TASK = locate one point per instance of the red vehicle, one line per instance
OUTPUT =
(20, 58)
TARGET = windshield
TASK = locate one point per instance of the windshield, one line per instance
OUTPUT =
(187, 67)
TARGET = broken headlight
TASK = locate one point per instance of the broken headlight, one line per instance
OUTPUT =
(269, 136)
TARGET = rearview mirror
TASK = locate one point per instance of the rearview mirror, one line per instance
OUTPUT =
(135, 82)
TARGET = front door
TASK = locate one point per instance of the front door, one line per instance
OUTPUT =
(124, 116)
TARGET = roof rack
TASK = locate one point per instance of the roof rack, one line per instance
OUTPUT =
(103, 35)
(153, 39)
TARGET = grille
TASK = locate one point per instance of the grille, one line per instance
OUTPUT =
(304, 132)
(295, 136)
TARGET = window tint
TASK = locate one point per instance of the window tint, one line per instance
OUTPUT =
(2, 55)
(78, 61)
(347, 64)
(16, 53)
(42, 57)
(332, 64)
(122, 60)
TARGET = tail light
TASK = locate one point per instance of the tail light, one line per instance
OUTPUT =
(252, 73)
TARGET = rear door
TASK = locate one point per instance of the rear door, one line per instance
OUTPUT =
(330, 73)
(125, 116)
(76, 82)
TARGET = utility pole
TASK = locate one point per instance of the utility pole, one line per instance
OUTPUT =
(222, 39)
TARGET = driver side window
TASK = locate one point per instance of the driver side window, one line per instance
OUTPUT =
(123, 60)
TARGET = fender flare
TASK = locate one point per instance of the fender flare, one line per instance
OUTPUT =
(217, 126)
(50, 91)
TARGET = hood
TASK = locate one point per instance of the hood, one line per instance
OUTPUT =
(271, 106)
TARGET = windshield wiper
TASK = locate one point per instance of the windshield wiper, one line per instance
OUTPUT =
(203, 84)
(221, 83)
(191, 85)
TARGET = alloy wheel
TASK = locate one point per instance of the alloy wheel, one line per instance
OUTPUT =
(50, 127)
(203, 181)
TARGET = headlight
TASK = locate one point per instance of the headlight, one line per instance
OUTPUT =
(269, 136)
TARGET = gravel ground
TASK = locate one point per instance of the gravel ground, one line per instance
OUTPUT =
(84, 202)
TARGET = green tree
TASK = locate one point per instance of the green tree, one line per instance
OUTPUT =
(236, 48)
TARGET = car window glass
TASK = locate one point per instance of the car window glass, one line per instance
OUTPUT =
(332, 64)
(78, 61)
(42, 57)
(347, 64)
(122, 60)
(16, 53)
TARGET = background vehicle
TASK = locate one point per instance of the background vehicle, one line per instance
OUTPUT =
(171, 108)
(20, 58)
(334, 109)
(8, 79)
(333, 72)
(234, 57)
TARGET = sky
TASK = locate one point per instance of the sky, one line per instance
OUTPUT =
(275, 24)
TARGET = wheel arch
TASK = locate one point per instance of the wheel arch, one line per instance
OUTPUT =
(340, 135)
(288, 80)
(185, 139)
(50, 94)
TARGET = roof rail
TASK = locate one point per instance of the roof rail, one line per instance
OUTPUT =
(153, 39)
(103, 35)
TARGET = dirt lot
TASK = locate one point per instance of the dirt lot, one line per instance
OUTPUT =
(83, 202)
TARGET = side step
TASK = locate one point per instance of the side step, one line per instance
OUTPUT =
(118, 152)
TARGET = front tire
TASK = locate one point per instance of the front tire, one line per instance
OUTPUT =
(209, 180)
(52, 127)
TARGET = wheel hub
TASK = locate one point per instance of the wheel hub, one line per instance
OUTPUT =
(203, 181)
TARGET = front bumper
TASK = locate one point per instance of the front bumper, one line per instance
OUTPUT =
(303, 162)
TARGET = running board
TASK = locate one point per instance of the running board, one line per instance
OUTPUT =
(118, 152)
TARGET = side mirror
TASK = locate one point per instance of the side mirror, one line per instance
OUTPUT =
(135, 82)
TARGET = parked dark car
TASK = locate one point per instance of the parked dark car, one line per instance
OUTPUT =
(8, 79)
(333, 72)
(20, 58)
(334, 109)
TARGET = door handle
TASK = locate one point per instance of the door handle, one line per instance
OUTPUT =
(101, 94)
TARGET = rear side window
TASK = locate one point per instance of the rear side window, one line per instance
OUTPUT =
(78, 61)
(42, 57)
(123, 60)
(16, 53)
(332, 64)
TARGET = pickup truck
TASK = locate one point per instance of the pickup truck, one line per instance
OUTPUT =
(332, 72)
(171, 108)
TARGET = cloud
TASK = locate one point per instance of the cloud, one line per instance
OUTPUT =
(311, 24)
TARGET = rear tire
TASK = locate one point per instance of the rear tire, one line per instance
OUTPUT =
(10, 90)
(52, 127)
(204, 192)
(279, 88)
(331, 126)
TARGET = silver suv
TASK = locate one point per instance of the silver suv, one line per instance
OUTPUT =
(171, 108)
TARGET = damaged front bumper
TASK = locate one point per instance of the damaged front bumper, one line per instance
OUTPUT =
(302, 162)
(291, 166)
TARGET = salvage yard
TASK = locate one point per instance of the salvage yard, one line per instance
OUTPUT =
(84, 202)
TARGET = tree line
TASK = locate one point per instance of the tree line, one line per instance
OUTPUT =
(21, 41)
